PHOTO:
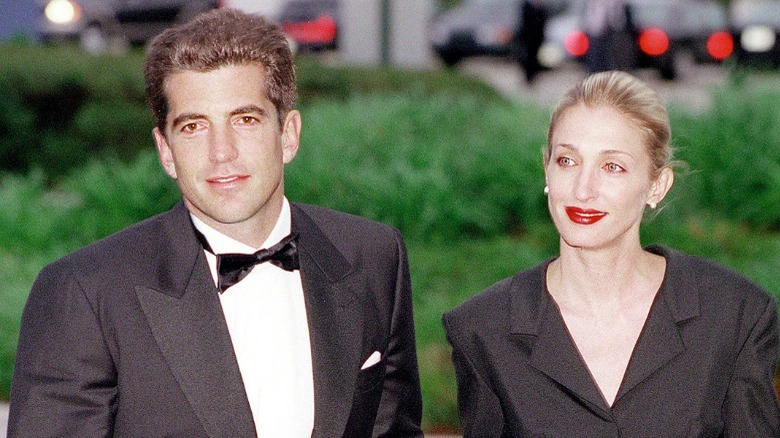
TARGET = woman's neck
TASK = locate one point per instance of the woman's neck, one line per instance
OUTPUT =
(603, 280)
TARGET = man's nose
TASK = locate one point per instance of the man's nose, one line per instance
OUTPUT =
(222, 145)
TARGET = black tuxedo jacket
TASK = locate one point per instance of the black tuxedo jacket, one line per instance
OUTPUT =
(702, 367)
(126, 337)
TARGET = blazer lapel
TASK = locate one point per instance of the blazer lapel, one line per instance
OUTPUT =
(553, 352)
(185, 316)
(660, 340)
(335, 318)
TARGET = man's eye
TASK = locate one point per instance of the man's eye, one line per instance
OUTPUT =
(189, 127)
(248, 120)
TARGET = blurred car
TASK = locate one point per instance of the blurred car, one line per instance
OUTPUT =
(311, 24)
(483, 28)
(756, 30)
(476, 28)
(99, 25)
(666, 32)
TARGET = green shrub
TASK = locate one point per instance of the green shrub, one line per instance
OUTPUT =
(319, 81)
(732, 154)
(438, 168)
(59, 105)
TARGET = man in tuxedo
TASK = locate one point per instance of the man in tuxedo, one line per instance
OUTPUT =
(237, 313)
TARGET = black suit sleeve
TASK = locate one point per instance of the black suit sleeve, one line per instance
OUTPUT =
(400, 409)
(64, 381)
(478, 406)
(751, 407)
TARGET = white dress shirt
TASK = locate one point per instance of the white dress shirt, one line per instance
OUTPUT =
(266, 317)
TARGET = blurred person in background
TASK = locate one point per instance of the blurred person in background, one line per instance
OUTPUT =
(176, 326)
(529, 36)
(611, 32)
(610, 338)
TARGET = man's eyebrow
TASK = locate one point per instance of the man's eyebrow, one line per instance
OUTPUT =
(249, 109)
(181, 118)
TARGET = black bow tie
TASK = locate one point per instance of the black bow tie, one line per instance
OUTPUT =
(232, 268)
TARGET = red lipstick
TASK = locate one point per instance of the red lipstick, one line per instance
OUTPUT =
(584, 216)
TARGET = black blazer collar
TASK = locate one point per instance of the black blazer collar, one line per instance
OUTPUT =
(183, 310)
(534, 313)
(335, 315)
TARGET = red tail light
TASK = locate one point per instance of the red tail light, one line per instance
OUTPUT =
(576, 43)
(320, 30)
(720, 45)
(653, 42)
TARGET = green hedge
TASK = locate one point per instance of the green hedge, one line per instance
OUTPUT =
(60, 106)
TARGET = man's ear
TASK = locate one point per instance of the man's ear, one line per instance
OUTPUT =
(661, 186)
(291, 135)
(164, 152)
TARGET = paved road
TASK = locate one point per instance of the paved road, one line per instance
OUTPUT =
(3, 419)
(692, 89)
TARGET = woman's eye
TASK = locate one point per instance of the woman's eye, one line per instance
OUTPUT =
(565, 161)
(614, 168)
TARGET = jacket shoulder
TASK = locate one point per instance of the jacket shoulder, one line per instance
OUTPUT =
(338, 220)
(490, 309)
(131, 248)
(711, 279)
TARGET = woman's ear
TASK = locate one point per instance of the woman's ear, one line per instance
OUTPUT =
(661, 186)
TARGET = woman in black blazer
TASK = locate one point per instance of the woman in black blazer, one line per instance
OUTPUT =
(611, 339)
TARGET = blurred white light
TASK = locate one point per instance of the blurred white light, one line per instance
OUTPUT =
(62, 11)
(551, 55)
(757, 38)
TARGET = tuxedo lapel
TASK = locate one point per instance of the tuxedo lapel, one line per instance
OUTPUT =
(554, 352)
(185, 316)
(335, 319)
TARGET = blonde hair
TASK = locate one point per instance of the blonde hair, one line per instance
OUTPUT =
(629, 96)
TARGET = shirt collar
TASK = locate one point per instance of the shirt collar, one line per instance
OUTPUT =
(220, 243)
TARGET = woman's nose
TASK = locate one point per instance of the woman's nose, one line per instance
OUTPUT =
(585, 185)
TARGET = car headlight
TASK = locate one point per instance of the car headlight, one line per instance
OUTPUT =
(757, 38)
(62, 11)
(551, 55)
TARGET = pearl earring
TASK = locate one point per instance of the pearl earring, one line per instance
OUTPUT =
(653, 205)
(546, 190)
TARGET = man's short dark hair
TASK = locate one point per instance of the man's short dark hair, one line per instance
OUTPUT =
(219, 38)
